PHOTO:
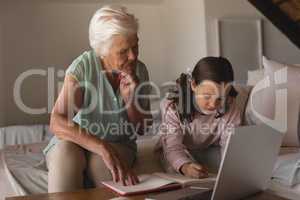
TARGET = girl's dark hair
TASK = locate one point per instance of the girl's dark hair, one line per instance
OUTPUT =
(217, 69)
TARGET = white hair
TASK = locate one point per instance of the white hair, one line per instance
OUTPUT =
(107, 22)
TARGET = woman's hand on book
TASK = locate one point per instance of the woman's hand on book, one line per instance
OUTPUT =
(119, 169)
(194, 170)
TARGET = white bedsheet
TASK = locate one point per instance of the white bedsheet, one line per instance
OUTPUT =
(282, 190)
(6, 186)
(24, 134)
(292, 193)
(22, 170)
(25, 170)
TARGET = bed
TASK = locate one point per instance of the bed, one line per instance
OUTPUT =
(22, 164)
(283, 190)
(23, 170)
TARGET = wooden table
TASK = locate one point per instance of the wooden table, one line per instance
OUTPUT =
(105, 194)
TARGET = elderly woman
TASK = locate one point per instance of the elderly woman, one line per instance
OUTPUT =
(96, 115)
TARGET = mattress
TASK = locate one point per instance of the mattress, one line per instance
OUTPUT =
(22, 165)
(24, 134)
(23, 171)
(278, 188)
(292, 193)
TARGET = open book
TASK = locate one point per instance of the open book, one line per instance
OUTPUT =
(156, 182)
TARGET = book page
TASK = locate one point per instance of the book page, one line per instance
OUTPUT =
(147, 182)
(183, 180)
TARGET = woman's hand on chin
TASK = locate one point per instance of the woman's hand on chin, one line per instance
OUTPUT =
(194, 170)
(128, 83)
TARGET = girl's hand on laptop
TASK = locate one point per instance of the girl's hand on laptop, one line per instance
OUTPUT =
(194, 170)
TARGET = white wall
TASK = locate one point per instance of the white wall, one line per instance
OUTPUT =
(44, 34)
(39, 35)
(185, 35)
(152, 39)
(2, 101)
(172, 37)
(276, 45)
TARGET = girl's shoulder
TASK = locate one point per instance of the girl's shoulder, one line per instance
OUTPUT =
(169, 111)
(238, 106)
(167, 105)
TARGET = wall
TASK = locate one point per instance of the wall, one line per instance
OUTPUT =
(185, 35)
(276, 45)
(48, 35)
(2, 96)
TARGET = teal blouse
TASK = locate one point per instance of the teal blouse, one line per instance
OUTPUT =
(103, 113)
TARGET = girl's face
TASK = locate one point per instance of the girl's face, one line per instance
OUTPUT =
(209, 95)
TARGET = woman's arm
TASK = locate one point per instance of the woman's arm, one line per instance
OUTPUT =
(68, 103)
(140, 119)
(139, 116)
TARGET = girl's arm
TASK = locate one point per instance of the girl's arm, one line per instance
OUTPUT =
(174, 150)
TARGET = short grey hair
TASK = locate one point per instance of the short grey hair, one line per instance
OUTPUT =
(107, 22)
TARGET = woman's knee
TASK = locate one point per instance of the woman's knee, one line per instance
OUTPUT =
(66, 155)
(66, 163)
(97, 169)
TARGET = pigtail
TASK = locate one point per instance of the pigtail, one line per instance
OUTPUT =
(181, 97)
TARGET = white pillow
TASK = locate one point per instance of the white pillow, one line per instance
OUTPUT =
(254, 76)
(275, 100)
(26, 134)
(287, 169)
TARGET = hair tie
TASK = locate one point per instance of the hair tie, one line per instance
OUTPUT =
(189, 74)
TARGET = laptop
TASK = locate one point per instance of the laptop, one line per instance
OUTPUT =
(246, 167)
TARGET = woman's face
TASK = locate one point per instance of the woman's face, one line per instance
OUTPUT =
(123, 53)
(209, 95)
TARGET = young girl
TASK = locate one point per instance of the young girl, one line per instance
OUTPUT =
(201, 113)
